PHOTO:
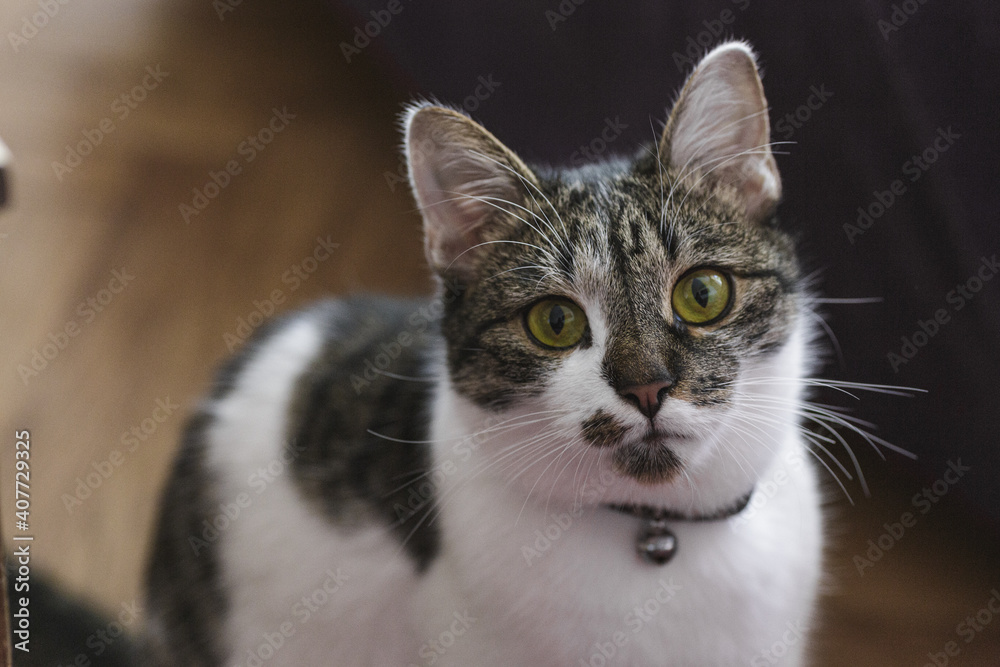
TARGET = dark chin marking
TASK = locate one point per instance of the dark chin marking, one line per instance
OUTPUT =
(646, 463)
(602, 430)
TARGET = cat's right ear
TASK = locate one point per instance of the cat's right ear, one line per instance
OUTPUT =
(464, 180)
(719, 131)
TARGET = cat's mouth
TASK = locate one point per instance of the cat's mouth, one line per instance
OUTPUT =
(656, 436)
(651, 459)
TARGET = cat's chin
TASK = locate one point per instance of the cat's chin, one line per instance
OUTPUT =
(666, 471)
(650, 460)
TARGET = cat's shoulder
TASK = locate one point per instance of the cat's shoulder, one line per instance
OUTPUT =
(321, 413)
(339, 397)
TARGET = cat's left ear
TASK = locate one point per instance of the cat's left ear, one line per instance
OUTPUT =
(719, 130)
(465, 181)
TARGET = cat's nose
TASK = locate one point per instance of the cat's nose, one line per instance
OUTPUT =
(647, 397)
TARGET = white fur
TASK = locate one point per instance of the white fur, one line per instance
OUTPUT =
(731, 593)
(279, 549)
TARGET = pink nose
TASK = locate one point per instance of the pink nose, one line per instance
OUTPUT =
(647, 397)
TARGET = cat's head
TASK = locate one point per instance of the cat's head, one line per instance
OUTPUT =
(631, 325)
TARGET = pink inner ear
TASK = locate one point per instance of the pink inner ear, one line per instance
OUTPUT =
(720, 128)
(458, 196)
(461, 175)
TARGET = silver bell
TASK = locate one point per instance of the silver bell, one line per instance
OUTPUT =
(656, 543)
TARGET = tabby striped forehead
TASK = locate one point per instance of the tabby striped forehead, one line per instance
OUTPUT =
(625, 239)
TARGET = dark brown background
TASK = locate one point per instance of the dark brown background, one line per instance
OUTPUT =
(326, 174)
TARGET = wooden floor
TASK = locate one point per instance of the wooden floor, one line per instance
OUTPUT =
(116, 300)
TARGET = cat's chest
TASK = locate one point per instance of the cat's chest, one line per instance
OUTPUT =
(538, 584)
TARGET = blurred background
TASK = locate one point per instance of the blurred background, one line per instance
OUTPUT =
(178, 163)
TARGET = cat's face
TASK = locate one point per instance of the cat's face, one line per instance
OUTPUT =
(622, 318)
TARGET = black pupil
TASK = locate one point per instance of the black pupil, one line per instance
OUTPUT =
(701, 291)
(557, 319)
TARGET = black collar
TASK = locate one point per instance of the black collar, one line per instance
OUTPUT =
(650, 513)
(655, 543)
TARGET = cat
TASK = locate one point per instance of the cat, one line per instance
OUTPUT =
(551, 461)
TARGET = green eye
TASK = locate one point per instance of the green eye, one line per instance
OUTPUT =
(557, 323)
(702, 296)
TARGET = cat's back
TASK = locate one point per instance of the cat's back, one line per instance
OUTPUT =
(295, 481)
